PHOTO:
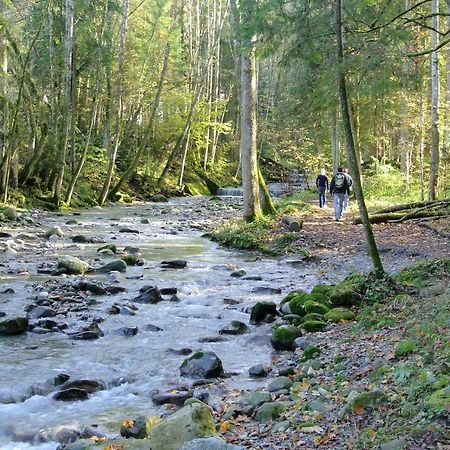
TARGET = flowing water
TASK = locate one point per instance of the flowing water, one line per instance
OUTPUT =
(132, 367)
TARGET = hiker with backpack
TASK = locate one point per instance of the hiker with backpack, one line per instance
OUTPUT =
(322, 184)
(338, 188)
(347, 194)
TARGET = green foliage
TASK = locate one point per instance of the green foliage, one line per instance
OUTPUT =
(404, 348)
(420, 274)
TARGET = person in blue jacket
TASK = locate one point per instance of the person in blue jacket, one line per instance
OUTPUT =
(322, 185)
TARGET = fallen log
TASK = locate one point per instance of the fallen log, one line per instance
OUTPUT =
(405, 206)
(293, 223)
(400, 217)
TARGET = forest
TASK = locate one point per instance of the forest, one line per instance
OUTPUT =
(173, 274)
(101, 99)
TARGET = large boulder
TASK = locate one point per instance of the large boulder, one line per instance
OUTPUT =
(16, 325)
(11, 213)
(270, 411)
(71, 266)
(202, 365)
(211, 443)
(191, 422)
(283, 337)
(262, 311)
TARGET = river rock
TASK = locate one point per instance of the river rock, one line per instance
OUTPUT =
(258, 371)
(261, 310)
(16, 325)
(132, 250)
(110, 247)
(129, 230)
(339, 314)
(148, 294)
(136, 428)
(270, 411)
(280, 383)
(202, 365)
(114, 266)
(41, 311)
(81, 239)
(127, 331)
(152, 328)
(266, 290)
(54, 231)
(71, 266)
(11, 213)
(4, 235)
(238, 273)
(122, 444)
(212, 443)
(174, 264)
(89, 286)
(191, 422)
(68, 395)
(114, 276)
(92, 331)
(234, 327)
(176, 398)
(283, 337)
(255, 399)
(88, 386)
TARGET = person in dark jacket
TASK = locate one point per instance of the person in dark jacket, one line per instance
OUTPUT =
(338, 188)
(322, 185)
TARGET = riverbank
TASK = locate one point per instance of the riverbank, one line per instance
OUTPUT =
(216, 287)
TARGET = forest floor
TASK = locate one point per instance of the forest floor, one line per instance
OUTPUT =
(341, 246)
(364, 356)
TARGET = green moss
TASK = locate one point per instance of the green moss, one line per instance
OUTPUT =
(130, 260)
(315, 307)
(339, 314)
(405, 348)
(297, 304)
(111, 247)
(312, 316)
(323, 289)
(310, 353)
(286, 333)
(420, 274)
(290, 296)
(314, 325)
(439, 400)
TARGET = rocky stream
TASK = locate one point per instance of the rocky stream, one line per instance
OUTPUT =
(105, 304)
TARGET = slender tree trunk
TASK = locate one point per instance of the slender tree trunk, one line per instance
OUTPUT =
(350, 145)
(4, 113)
(447, 91)
(183, 162)
(114, 146)
(68, 53)
(335, 157)
(404, 147)
(250, 182)
(435, 155)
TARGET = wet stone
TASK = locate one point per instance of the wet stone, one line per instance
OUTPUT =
(70, 395)
(258, 371)
(177, 398)
(174, 264)
(127, 331)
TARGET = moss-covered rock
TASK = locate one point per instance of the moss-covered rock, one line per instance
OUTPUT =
(71, 266)
(111, 247)
(261, 310)
(202, 365)
(255, 399)
(290, 296)
(315, 307)
(297, 304)
(191, 422)
(130, 260)
(312, 316)
(270, 411)
(339, 314)
(293, 319)
(283, 337)
(16, 325)
(323, 289)
(117, 265)
(314, 325)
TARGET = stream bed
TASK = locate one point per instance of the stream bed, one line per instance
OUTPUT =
(131, 367)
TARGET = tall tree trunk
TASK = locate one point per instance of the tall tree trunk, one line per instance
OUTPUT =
(335, 157)
(447, 91)
(95, 102)
(4, 113)
(114, 146)
(404, 144)
(68, 53)
(350, 146)
(435, 154)
(250, 182)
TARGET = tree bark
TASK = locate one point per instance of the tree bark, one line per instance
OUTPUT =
(68, 54)
(114, 146)
(435, 154)
(335, 139)
(351, 151)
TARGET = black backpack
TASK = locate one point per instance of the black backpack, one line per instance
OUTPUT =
(340, 182)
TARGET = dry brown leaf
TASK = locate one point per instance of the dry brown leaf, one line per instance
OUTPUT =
(359, 409)
(128, 423)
